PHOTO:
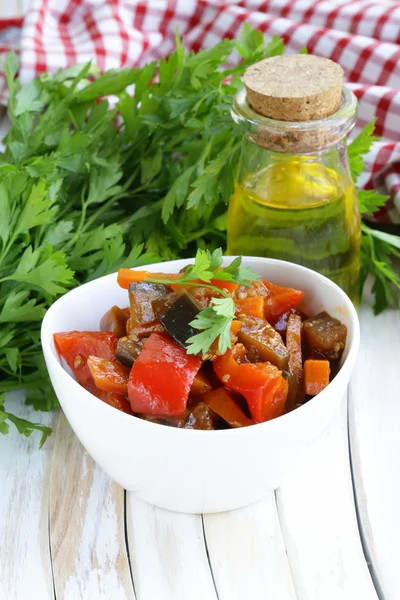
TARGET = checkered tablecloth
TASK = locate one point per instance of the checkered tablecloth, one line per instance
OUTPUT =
(363, 36)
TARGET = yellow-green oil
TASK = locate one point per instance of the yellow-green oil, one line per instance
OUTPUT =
(300, 211)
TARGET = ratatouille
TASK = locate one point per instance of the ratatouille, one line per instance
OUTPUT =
(211, 347)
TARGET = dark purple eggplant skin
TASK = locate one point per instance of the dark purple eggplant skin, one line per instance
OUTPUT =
(177, 319)
(128, 349)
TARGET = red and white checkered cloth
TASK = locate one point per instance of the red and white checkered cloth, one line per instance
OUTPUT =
(362, 35)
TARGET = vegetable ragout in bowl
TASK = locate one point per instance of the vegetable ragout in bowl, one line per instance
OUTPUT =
(211, 347)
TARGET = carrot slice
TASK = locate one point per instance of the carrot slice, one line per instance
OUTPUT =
(222, 402)
(127, 276)
(316, 376)
(296, 375)
(252, 306)
(109, 375)
(235, 326)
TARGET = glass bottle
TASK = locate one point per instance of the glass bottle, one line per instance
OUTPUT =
(294, 195)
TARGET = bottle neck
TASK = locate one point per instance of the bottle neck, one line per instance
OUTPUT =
(298, 138)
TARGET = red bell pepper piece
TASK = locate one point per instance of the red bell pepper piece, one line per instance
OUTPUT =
(261, 384)
(76, 346)
(118, 401)
(91, 387)
(109, 375)
(279, 300)
(161, 377)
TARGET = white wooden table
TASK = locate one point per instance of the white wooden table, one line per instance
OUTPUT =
(329, 533)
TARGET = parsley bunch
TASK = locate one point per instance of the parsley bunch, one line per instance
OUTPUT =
(87, 187)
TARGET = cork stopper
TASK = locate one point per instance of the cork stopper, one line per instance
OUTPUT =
(294, 87)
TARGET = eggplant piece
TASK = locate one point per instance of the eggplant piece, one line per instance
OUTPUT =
(141, 296)
(161, 305)
(178, 422)
(201, 417)
(177, 319)
(128, 349)
(144, 331)
(202, 295)
(114, 320)
(260, 339)
(296, 372)
(325, 336)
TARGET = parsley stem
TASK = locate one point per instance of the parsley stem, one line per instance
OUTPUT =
(190, 284)
(203, 232)
(81, 223)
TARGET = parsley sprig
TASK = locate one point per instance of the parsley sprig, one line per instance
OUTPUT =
(214, 321)
(379, 250)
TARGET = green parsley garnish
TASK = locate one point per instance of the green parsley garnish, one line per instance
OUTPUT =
(215, 320)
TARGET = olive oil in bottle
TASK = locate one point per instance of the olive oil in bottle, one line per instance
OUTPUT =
(294, 197)
(302, 212)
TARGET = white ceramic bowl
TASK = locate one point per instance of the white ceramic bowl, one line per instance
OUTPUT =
(185, 470)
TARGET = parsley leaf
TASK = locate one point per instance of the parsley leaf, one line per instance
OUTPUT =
(213, 322)
(359, 146)
(377, 252)
(207, 266)
(371, 201)
(24, 427)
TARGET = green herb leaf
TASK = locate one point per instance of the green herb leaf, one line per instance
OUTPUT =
(377, 252)
(213, 322)
(26, 428)
(371, 201)
(359, 146)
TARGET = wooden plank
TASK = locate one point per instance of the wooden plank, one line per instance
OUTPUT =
(319, 524)
(374, 418)
(247, 553)
(25, 563)
(86, 525)
(168, 554)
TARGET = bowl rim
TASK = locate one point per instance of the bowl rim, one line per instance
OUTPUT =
(345, 371)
